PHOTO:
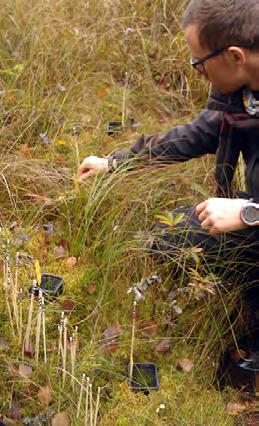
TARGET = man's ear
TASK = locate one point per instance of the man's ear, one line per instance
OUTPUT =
(236, 55)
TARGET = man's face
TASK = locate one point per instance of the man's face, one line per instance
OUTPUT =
(225, 71)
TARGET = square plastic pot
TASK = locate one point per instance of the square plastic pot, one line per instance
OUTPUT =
(144, 377)
(51, 285)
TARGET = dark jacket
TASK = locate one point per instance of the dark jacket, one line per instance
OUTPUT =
(224, 128)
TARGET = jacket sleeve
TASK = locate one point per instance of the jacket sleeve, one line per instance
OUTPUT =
(192, 140)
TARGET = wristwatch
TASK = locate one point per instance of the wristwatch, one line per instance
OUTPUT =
(250, 214)
(112, 164)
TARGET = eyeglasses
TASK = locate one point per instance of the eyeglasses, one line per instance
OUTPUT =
(199, 63)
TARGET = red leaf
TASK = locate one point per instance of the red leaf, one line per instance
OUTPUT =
(29, 351)
(164, 345)
(45, 395)
(71, 262)
(149, 328)
(60, 419)
(13, 372)
(59, 252)
(25, 371)
(111, 335)
(15, 411)
(68, 305)
(91, 289)
(185, 365)
(29, 391)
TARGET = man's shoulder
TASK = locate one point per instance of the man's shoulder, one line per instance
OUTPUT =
(233, 103)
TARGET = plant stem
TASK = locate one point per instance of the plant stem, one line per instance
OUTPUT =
(38, 328)
(65, 351)
(44, 329)
(91, 403)
(87, 401)
(80, 396)
(132, 339)
(97, 406)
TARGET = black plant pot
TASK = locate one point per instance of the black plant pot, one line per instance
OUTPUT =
(51, 285)
(114, 127)
(144, 377)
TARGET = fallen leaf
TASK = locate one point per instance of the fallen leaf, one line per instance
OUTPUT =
(91, 289)
(13, 372)
(164, 345)
(111, 335)
(149, 328)
(235, 408)
(59, 252)
(4, 345)
(29, 350)
(177, 310)
(27, 151)
(45, 395)
(102, 91)
(29, 390)
(15, 411)
(60, 419)
(71, 262)
(185, 365)
(68, 305)
(25, 371)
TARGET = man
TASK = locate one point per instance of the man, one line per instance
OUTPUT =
(223, 38)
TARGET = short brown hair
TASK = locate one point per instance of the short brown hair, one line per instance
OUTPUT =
(224, 23)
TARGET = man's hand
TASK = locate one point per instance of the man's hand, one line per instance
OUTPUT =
(220, 215)
(92, 166)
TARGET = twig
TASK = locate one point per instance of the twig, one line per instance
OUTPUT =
(60, 329)
(97, 405)
(123, 118)
(20, 316)
(64, 351)
(80, 396)
(73, 342)
(44, 329)
(71, 360)
(8, 284)
(87, 401)
(28, 329)
(38, 328)
(132, 340)
(15, 292)
(91, 403)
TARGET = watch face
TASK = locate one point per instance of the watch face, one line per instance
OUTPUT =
(251, 214)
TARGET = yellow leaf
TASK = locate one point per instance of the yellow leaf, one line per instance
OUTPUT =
(37, 271)
(61, 142)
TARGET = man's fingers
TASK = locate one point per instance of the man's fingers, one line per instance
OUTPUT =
(202, 216)
(82, 171)
(207, 224)
(84, 176)
(200, 207)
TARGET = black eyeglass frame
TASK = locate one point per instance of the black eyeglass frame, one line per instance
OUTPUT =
(213, 54)
(201, 61)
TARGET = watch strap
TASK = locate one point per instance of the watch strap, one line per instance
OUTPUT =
(243, 214)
